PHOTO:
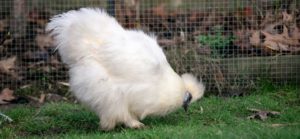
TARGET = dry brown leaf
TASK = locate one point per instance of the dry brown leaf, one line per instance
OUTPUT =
(295, 49)
(160, 10)
(42, 98)
(54, 61)
(283, 38)
(287, 39)
(271, 45)
(44, 41)
(287, 17)
(269, 18)
(261, 114)
(295, 33)
(7, 65)
(193, 17)
(283, 47)
(280, 42)
(255, 39)
(276, 28)
(6, 96)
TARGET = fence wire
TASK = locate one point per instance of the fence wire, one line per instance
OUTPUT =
(232, 44)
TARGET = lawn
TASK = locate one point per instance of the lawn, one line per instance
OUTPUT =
(212, 117)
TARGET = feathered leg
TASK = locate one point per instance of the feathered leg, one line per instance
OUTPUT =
(134, 123)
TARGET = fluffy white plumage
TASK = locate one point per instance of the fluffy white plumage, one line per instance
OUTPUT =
(122, 75)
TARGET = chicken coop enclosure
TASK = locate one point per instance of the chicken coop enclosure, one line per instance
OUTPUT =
(231, 44)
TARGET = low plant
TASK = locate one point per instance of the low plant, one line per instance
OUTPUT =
(216, 41)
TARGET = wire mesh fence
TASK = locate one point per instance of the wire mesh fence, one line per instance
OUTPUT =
(230, 44)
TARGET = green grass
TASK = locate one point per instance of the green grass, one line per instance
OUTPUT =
(220, 118)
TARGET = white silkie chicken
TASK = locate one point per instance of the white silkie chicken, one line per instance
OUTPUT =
(122, 75)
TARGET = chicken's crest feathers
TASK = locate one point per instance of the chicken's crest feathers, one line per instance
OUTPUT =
(195, 87)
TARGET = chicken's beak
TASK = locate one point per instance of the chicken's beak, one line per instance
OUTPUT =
(186, 101)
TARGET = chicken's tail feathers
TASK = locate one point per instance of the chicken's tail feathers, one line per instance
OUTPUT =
(80, 33)
(195, 87)
(91, 19)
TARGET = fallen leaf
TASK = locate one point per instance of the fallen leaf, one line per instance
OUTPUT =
(159, 10)
(54, 61)
(283, 47)
(268, 18)
(44, 41)
(271, 45)
(283, 38)
(42, 98)
(255, 39)
(7, 65)
(281, 125)
(6, 96)
(276, 28)
(287, 17)
(261, 114)
(295, 33)
(277, 36)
